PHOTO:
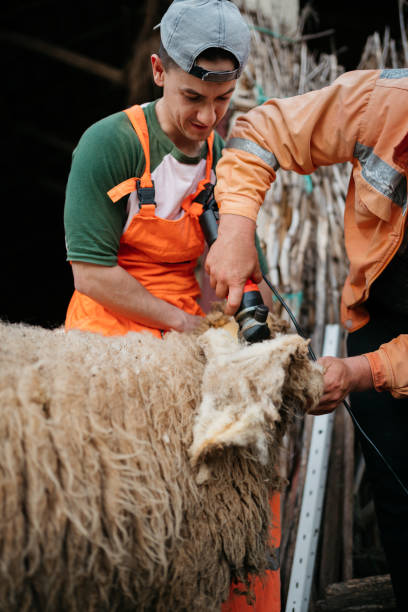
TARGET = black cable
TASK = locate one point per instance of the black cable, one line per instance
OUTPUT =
(345, 402)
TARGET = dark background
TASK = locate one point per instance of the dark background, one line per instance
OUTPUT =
(47, 104)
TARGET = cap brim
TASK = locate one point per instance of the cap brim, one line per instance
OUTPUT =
(215, 76)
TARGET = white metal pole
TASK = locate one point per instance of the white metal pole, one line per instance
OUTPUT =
(313, 495)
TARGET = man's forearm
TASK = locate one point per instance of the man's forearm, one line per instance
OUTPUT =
(121, 293)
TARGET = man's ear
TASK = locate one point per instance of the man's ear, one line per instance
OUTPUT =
(158, 70)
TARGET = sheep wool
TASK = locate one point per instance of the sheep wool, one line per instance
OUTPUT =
(135, 472)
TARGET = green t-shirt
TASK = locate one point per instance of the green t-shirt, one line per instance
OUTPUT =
(108, 153)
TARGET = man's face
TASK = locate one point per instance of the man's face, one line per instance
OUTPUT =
(191, 108)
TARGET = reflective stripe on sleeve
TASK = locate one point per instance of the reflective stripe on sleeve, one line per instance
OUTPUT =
(394, 73)
(251, 147)
(383, 177)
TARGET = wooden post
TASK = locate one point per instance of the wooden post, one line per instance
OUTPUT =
(359, 595)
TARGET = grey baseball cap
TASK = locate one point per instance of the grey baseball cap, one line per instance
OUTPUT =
(189, 27)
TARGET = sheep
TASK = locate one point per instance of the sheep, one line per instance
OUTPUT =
(135, 472)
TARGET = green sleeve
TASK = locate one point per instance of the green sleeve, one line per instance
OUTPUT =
(108, 153)
(218, 146)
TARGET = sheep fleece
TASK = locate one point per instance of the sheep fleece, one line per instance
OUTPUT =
(135, 472)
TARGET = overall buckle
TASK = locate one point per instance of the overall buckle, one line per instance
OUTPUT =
(205, 194)
(145, 194)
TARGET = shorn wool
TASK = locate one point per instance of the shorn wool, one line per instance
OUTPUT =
(135, 472)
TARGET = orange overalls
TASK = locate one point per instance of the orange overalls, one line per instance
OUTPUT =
(162, 255)
(267, 589)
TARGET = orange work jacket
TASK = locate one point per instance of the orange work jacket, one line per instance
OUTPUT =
(160, 253)
(360, 118)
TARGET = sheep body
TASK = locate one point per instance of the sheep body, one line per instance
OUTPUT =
(113, 495)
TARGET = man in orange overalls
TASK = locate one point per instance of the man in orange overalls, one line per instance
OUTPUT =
(361, 118)
(135, 190)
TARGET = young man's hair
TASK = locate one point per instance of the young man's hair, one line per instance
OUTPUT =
(212, 54)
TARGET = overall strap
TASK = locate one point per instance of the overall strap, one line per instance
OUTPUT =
(138, 120)
(210, 155)
(144, 186)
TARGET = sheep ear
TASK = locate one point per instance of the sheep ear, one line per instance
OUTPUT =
(216, 342)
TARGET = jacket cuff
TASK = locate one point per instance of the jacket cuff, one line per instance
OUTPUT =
(380, 369)
(245, 208)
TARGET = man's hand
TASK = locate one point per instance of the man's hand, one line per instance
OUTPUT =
(189, 322)
(233, 259)
(341, 376)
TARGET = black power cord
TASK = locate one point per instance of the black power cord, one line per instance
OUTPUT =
(345, 402)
